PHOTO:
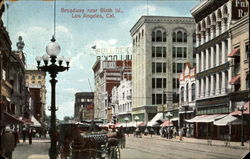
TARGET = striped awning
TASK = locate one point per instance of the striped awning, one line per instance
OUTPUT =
(235, 79)
(234, 52)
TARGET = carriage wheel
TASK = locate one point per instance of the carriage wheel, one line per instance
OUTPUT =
(115, 153)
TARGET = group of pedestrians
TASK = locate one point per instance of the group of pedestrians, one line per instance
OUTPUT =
(169, 132)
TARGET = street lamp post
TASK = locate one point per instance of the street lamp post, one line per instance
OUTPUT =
(126, 120)
(52, 49)
(242, 109)
(136, 119)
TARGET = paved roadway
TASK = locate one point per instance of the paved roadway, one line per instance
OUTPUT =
(160, 148)
(144, 148)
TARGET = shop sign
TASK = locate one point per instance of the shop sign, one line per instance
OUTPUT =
(239, 9)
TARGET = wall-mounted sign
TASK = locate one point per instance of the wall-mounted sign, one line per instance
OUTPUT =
(239, 9)
(113, 54)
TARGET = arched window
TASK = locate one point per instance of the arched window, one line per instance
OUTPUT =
(193, 91)
(164, 37)
(187, 91)
(142, 34)
(174, 37)
(139, 36)
(159, 36)
(182, 94)
(153, 36)
(179, 36)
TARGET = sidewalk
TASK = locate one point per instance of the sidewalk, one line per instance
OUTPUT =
(236, 145)
(37, 150)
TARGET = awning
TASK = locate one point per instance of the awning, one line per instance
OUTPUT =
(153, 122)
(133, 124)
(167, 123)
(245, 106)
(234, 52)
(11, 119)
(206, 118)
(235, 79)
(35, 122)
(228, 120)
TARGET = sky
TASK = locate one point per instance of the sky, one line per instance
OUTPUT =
(34, 21)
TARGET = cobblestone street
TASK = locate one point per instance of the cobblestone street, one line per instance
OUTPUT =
(149, 148)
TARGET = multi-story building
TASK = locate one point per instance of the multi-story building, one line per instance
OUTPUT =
(84, 102)
(187, 94)
(161, 46)
(108, 74)
(240, 58)
(214, 69)
(121, 101)
(37, 79)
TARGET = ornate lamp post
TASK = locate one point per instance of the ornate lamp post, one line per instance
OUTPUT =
(242, 109)
(169, 115)
(52, 49)
(136, 119)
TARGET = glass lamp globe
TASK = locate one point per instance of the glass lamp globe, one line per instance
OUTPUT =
(53, 49)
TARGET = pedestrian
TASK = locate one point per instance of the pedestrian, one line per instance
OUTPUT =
(174, 132)
(146, 132)
(24, 134)
(30, 136)
(152, 131)
(180, 134)
(8, 143)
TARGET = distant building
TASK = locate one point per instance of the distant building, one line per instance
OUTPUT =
(121, 101)
(84, 106)
(161, 46)
(187, 94)
(36, 79)
(108, 74)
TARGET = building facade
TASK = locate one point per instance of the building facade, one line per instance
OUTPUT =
(37, 79)
(161, 46)
(214, 69)
(121, 101)
(240, 57)
(187, 94)
(84, 105)
(108, 74)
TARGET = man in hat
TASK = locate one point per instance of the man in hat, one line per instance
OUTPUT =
(8, 142)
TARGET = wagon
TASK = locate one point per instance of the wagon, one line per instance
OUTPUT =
(88, 141)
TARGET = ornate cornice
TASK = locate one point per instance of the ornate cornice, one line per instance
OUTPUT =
(160, 19)
(205, 8)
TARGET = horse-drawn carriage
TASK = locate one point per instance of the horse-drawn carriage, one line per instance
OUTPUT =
(88, 141)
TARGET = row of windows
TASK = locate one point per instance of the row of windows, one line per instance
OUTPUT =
(179, 52)
(212, 110)
(160, 36)
(159, 99)
(159, 51)
(159, 82)
(158, 67)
